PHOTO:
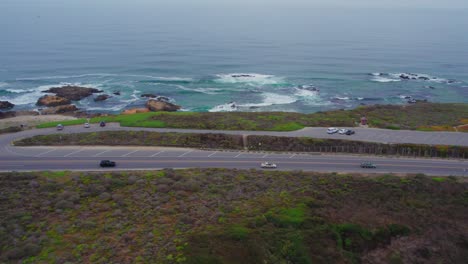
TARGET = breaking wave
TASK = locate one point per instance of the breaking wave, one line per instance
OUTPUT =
(397, 77)
(249, 78)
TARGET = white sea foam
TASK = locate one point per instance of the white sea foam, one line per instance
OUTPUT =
(342, 98)
(3, 84)
(384, 79)
(402, 96)
(208, 90)
(134, 97)
(248, 78)
(306, 93)
(19, 91)
(273, 99)
(229, 107)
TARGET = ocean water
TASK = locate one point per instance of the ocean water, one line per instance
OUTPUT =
(259, 59)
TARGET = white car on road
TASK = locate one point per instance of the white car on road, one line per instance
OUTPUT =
(86, 125)
(332, 130)
(342, 131)
(268, 165)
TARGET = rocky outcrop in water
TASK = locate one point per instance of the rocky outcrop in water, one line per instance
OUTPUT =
(73, 93)
(101, 97)
(156, 106)
(59, 110)
(6, 105)
(242, 75)
(52, 100)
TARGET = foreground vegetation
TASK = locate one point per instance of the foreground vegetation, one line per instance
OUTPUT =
(420, 116)
(231, 216)
(236, 142)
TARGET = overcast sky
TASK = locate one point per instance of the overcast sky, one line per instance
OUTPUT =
(247, 3)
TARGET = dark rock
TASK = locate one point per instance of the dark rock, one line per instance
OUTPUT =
(241, 75)
(59, 110)
(116, 93)
(52, 100)
(424, 78)
(404, 77)
(149, 95)
(73, 93)
(6, 105)
(163, 99)
(155, 106)
(101, 97)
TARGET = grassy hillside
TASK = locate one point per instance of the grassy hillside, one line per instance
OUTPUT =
(421, 116)
(231, 216)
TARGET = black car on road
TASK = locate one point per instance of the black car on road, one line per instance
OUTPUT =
(368, 165)
(350, 132)
(107, 163)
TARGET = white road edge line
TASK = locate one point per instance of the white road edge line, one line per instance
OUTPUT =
(129, 153)
(157, 153)
(74, 152)
(185, 153)
(43, 153)
(292, 156)
(212, 154)
(264, 156)
(238, 155)
(95, 155)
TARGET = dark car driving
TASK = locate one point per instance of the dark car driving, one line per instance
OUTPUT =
(368, 165)
(107, 163)
(350, 132)
(102, 124)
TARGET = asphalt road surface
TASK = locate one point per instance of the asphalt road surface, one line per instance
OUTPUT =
(127, 158)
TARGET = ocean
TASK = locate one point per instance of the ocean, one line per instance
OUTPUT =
(258, 59)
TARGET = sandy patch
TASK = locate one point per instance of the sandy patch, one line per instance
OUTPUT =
(31, 121)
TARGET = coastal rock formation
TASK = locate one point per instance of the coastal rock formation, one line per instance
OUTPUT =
(135, 111)
(155, 106)
(73, 93)
(6, 105)
(101, 97)
(59, 110)
(52, 100)
(116, 93)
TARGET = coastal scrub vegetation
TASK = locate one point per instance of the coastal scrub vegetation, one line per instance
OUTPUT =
(420, 116)
(231, 216)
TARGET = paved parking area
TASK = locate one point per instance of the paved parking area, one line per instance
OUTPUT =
(390, 136)
(122, 152)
